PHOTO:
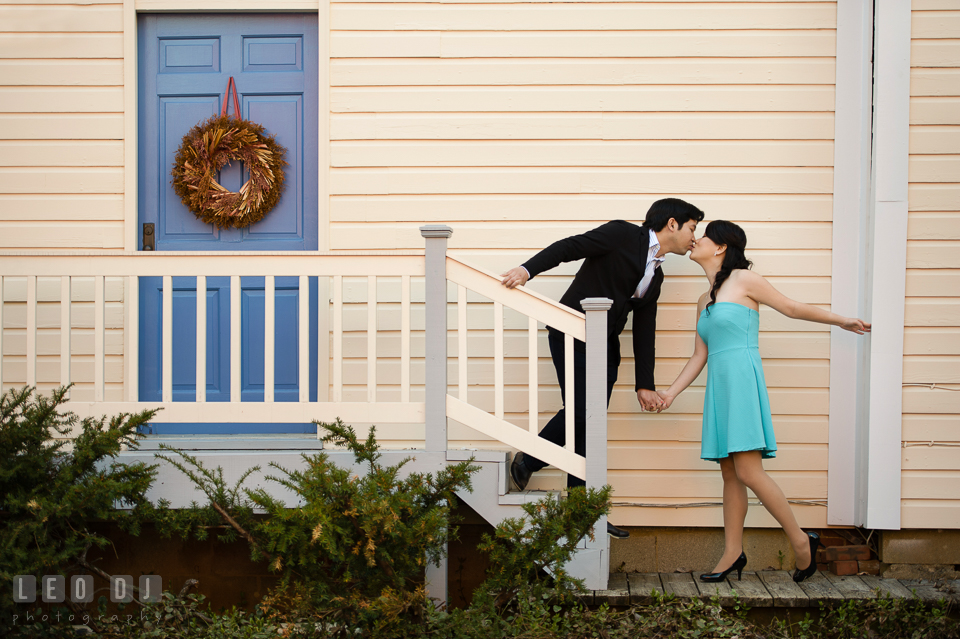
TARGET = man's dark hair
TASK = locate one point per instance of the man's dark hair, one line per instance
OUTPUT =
(662, 210)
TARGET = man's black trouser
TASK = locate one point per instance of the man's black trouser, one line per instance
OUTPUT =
(555, 430)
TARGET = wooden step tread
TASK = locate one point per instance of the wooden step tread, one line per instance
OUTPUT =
(523, 497)
(767, 589)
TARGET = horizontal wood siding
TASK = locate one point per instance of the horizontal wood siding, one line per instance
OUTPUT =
(931, 362)
(62, 177)
(61, 125)
(518, 124)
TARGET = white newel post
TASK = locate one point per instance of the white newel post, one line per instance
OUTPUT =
(435, 355)
(435, 330)
(596, 407)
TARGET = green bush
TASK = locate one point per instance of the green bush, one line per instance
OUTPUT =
(352, 556)
(52, 488)
(531, 552)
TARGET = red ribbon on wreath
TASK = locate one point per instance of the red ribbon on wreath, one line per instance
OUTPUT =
(226, 99)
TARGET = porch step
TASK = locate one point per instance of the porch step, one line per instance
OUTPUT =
(768, 589)
(516, 498)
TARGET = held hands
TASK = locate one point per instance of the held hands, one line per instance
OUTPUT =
(666, 399)
(855, 325)
(515, 277)
(650, 400)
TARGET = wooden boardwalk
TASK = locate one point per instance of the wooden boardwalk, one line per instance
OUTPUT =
(768, 589)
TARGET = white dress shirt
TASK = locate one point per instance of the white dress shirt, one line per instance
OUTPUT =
(653, 263)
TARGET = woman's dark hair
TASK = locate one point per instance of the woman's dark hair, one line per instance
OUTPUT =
(662, 210)
(722, 232)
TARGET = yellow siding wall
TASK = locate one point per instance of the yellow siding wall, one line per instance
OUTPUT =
(520, 124)
(61, 125)
(931, 474)
(61, 174)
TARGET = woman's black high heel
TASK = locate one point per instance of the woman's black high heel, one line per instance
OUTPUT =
(738, 565)
(799, 575)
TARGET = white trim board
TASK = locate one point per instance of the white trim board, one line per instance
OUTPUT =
(888, 262)
(851, 179)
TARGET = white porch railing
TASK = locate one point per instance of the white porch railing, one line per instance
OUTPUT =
(23, 274)
(537, 309)
(75, 271)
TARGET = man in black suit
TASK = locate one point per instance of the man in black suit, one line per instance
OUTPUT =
(620, 261)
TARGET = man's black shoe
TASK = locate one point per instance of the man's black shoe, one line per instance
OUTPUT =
(519, 472)
(616, 533)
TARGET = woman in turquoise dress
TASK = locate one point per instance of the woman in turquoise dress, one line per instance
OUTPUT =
(737, 427)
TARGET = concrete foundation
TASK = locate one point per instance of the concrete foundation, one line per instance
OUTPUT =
(931, 547)
(933, 572)
(692, 549)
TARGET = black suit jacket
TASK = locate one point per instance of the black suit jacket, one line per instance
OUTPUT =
(615, 257)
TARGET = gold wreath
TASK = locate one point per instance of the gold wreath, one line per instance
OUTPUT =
(215, 143)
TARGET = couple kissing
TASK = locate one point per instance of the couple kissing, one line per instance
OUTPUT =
(621, 261)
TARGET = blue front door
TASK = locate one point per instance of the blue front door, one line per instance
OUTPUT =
(185, 62)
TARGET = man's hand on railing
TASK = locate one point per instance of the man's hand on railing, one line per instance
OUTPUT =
(650, 400)
(515, 277)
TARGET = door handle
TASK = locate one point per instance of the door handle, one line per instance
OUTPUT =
(149, 239)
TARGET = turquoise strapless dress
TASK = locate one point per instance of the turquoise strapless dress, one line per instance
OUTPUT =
(736, 408)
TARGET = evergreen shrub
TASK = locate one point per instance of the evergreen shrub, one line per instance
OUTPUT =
(52, 487)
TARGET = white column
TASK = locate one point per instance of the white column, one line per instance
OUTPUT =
(596, 417)
(851, 197)
(886, 272)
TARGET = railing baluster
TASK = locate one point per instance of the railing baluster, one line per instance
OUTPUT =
(201, 390)
(323, 340)
(405, 338)
(569, 385)
(498, 359)
(303, 342)
(462, 343)
(65, 321)
(338, 338)
(131, 336)
(533, 362)
(1, 333)
(269, 334)
(31, 330)
(99, 347)
(167, 366)
(371, 338)
(235, 380)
